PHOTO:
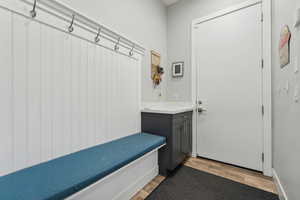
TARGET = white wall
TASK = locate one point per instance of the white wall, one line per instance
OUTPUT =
(142, 20)
(56, 100)
(59, 93)
(286, 113)
(180, 16)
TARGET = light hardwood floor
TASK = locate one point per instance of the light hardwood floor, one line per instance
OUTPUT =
(141, 195)
(233, 173)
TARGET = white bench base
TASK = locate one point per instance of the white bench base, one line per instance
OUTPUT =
(124, 183)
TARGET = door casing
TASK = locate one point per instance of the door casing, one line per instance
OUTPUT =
(267, 79)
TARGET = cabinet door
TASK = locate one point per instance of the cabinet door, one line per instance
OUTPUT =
(185, 137)
(189, 130)
(177, 155)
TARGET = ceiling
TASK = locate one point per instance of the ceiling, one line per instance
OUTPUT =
(169, 2)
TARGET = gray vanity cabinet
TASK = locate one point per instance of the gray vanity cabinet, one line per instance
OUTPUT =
(177, 128)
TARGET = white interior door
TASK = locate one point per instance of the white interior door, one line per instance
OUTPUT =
(228, 52)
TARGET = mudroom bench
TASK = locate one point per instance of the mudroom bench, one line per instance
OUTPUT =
(114, 170)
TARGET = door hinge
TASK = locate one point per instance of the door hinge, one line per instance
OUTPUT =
(263, 157)
(263, 110)
(262, 17)
(262, 63)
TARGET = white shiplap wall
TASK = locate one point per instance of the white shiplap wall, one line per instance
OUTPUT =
(60, 93)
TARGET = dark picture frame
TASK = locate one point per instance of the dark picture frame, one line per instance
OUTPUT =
(178, 69)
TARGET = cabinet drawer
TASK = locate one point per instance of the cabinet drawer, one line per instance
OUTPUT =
(183, 115)
(179, 118)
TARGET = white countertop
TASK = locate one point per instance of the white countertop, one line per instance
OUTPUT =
(167, 107)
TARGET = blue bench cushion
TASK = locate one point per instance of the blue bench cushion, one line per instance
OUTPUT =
(62, 177)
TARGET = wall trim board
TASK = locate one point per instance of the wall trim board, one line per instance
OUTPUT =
(279, 186)
(226, 11)
(267, 74)
(23, 8)
(267, 84)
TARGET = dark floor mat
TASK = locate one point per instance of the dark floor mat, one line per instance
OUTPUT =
(190, 184)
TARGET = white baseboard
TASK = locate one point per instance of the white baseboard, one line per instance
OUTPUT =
(280, 189)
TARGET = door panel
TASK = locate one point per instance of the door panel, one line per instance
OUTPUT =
(228, 55)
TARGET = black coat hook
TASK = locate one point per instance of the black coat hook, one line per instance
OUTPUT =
(131, 51)
(97, 38)
(71, 28)
(117, 45)
(33, 11)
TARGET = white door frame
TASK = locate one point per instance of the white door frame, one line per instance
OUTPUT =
(267, 79)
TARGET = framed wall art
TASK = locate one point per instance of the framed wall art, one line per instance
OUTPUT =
(177, 69)
(156, 70)
(284, 46)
